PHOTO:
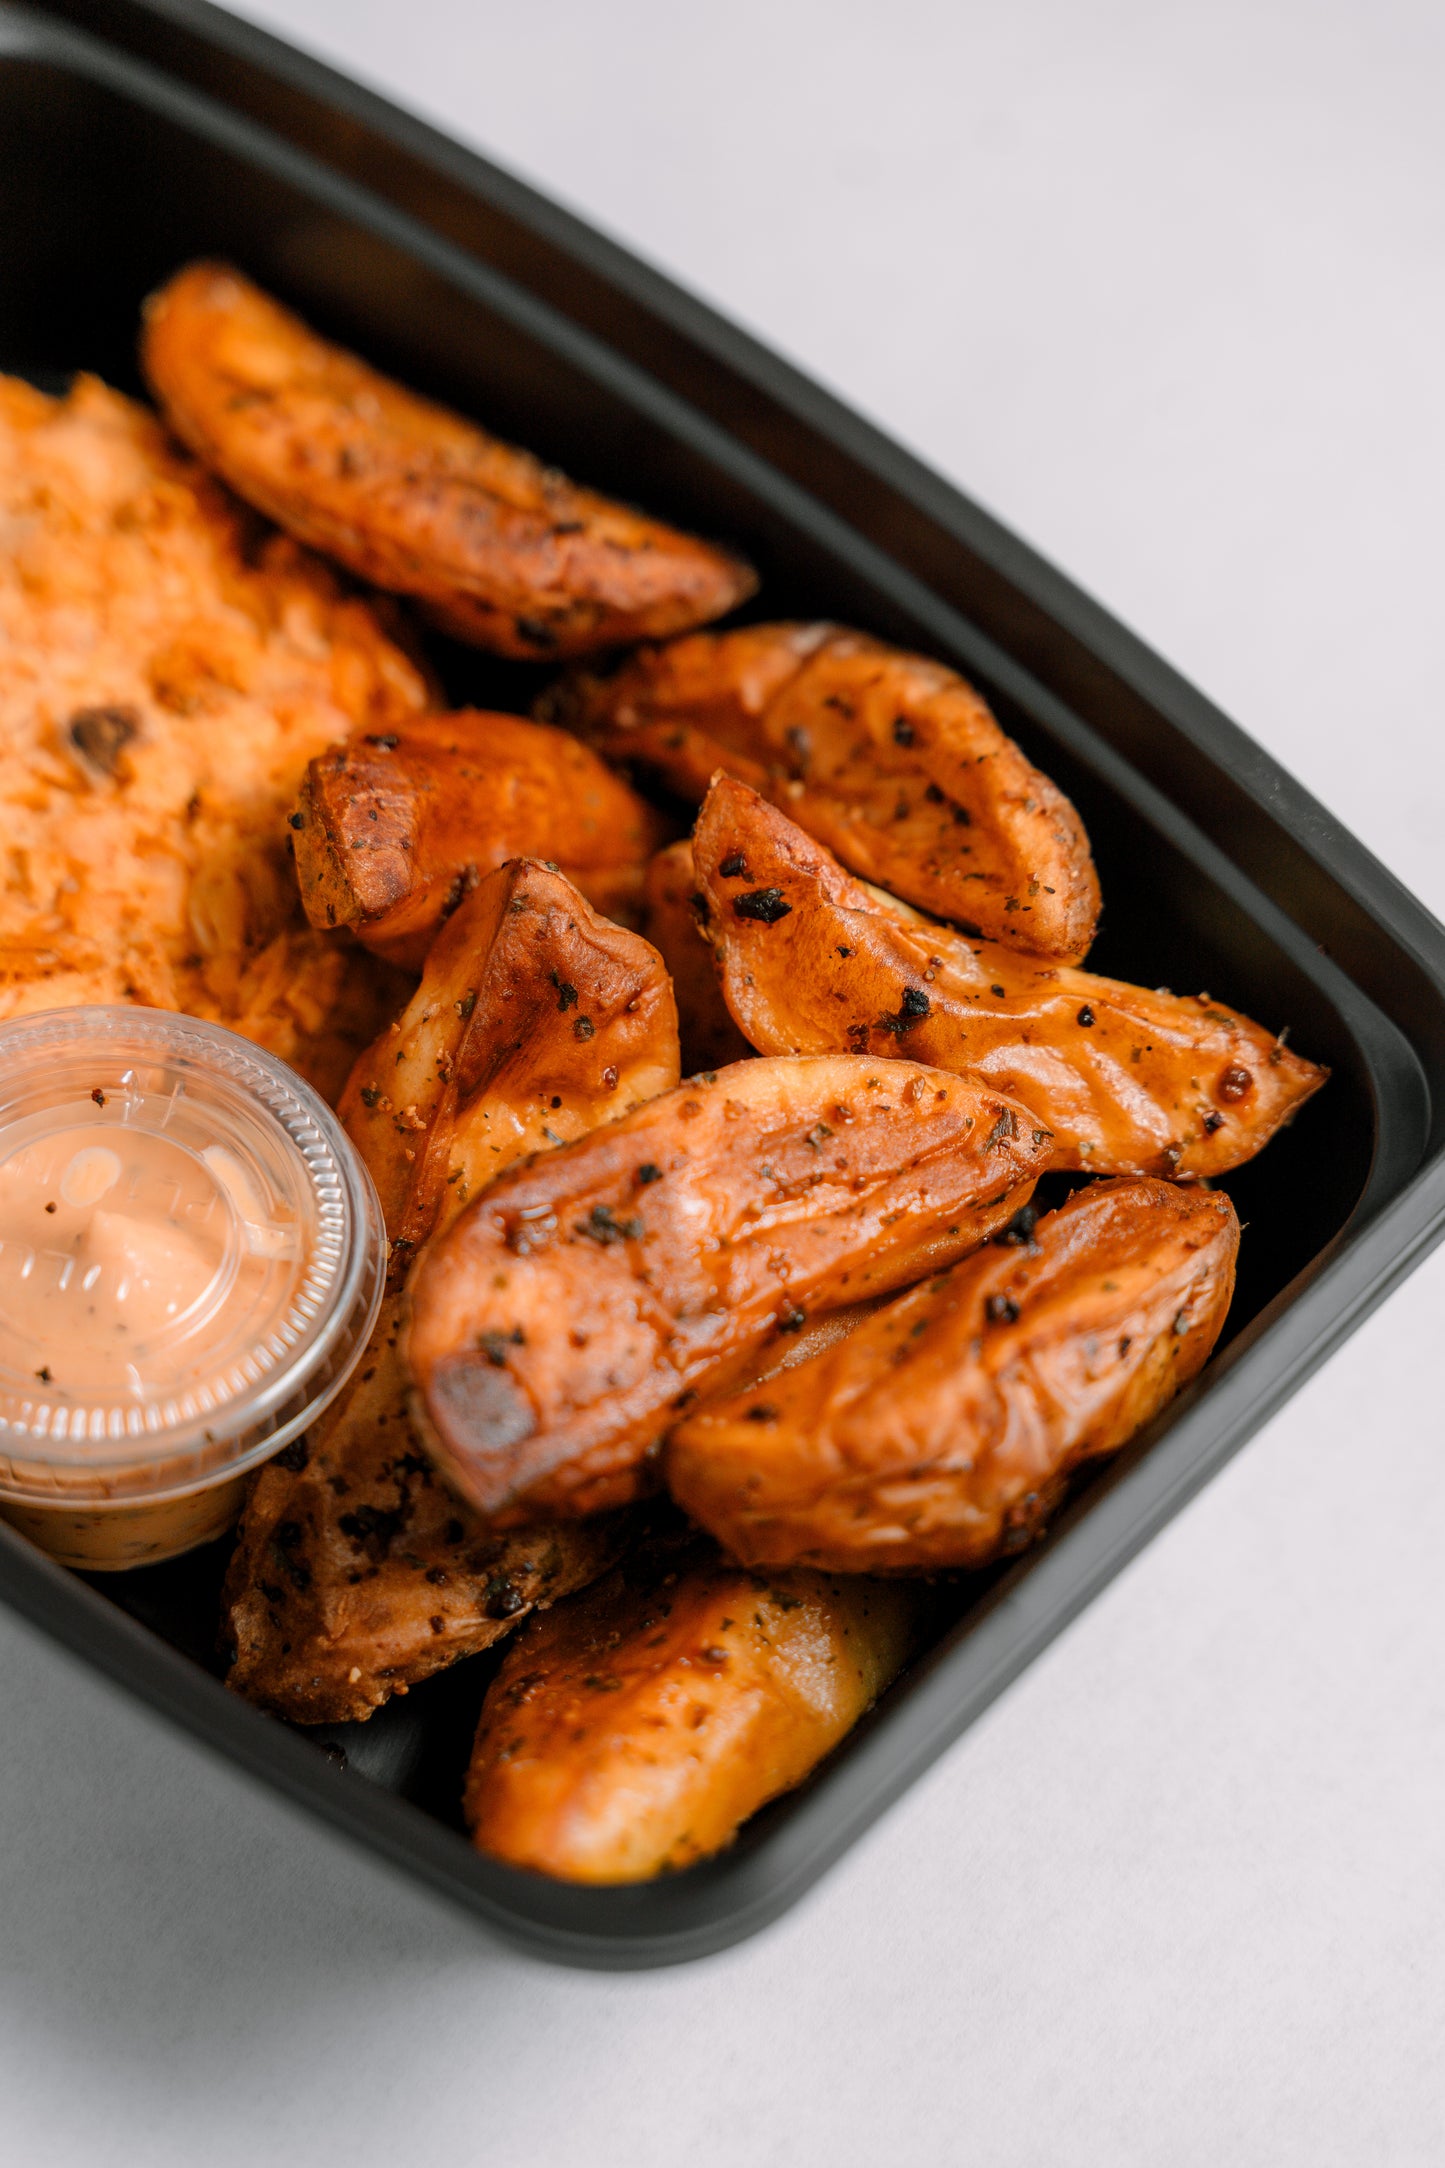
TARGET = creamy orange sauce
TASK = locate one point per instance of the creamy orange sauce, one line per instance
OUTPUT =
(124, 1257)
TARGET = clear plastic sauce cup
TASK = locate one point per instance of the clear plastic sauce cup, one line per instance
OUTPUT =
(191, 1261)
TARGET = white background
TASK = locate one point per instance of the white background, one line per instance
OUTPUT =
(1161, 284)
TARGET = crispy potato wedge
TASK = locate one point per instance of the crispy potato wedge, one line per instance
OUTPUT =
(710, 1039)
(632, 1729)
(535, 1020)
(395, 827)
(1129, 1081)
(500, 549)
(942, 1431)
(559, 1324)
(356, 1573)
(891, 760)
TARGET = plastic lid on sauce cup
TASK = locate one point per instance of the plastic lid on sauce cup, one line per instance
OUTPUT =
(191, 1257)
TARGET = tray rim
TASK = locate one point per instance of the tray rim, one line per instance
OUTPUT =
(720, 1901)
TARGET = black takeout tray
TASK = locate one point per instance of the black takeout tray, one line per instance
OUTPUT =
(135, 134)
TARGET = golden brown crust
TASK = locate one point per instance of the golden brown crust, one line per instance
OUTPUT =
(1128, 1080)
(501, 550)
(891, 760)
(356, 1573)
(557, 1325)
(632, 1730)
(535, 1020)
(165, 676)
(395, 827)
(942, 1431)
(710, 1038)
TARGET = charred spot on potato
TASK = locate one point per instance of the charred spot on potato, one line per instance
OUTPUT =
(733, 868)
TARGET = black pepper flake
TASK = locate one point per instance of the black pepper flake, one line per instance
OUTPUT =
(503, 1599)
(296, 820)
(584, 1028)
(762, 1413)
(1086, 1016)
(494, 1345)
(765, 904)
(602, 1225)
(52, 1208)
(566, 995)
(465, 1006)
(294, 1456)
(43, 1373)
(903, 731)
(933, 794)
(1212, 1122)
(646, 1173)
(734, 867)
(791, 1318)
(1002, 1310)
(370, 1094)
(1004, 1130)
(913, 1007)
(1000, 992)
(98, 1096)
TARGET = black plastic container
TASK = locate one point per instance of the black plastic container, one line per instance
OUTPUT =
(134, 136)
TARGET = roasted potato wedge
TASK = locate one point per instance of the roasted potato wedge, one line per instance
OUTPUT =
(634, 1728)
(500, 549)
(942, 1431)
(710, 1039)
(535, 1020)
(1129, 1081)
(557, 1327)
(891, 760)
(356, 1573)
(395, 827)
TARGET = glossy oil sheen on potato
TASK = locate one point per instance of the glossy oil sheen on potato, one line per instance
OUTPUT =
(891, 760)
(394, 828)
(356, 1572)
(500, 549)
(941, 1431)
(632, 1729)
(1128, 1080)
(556, 1328)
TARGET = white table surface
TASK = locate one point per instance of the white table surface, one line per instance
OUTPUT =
(1161, 283)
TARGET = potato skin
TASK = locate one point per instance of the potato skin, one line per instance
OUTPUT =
(942, 1431)
(393, 828)
(631, 1730)
(710, 1039)
(891, 760)
(535, 1020)
(356, 1572)
(1128, 1080)
(558, 1325)
(501, 550)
